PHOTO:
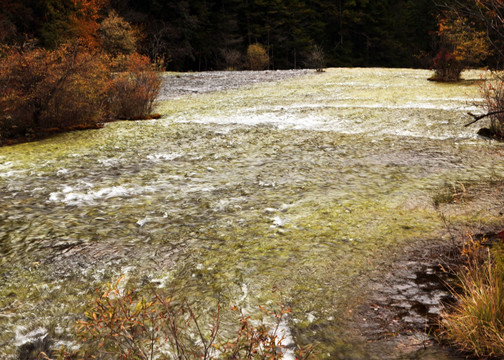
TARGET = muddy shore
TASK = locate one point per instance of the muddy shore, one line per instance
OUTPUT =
(408, 297)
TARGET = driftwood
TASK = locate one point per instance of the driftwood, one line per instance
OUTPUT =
(479, 117)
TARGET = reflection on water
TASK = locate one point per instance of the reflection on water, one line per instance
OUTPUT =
(302, 186)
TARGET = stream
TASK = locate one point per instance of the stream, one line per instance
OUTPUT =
(301, 187)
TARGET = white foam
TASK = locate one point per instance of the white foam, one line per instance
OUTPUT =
(74, 196)
(109, 162)
(278, 221)
(164, 156)
(310, 118)
(6, 165)
(223, 131)
(288, 340)
(428, 134)
(163, 281)
(12, 173)
(311, 317)
(245, 293)
(6, 169)
(143, 221)
(24, 338)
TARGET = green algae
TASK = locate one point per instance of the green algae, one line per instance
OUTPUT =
(300, 187)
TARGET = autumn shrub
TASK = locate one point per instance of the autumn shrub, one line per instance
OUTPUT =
(117, 36)
(475, 324)
(133, 90)
(446, 66)
(71, 88)
(316, 59)
(43, 89)
(462, 45)
(133, 324)
(493, 95)
(257, 57)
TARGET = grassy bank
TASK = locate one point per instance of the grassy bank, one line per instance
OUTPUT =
(475, 324)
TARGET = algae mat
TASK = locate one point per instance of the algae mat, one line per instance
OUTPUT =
(299, 187)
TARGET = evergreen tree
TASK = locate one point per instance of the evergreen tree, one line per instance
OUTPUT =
(215, 34)
(55, 21)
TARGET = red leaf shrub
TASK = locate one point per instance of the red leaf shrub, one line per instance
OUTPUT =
(447, 67)
(43, 89)
(140, 325)
(133, 90)
(71, 88)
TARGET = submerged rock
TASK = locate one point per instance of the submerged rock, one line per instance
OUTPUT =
(490, 134)
(486, 132)
(32, 349)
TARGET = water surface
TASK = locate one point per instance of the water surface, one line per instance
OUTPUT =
(300, 187)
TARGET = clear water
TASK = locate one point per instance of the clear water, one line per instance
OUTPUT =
(300, 187)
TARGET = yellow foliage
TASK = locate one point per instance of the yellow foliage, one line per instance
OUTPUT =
(257, 57)
(468, 45)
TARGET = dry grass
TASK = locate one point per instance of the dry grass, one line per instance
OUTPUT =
(476, 323)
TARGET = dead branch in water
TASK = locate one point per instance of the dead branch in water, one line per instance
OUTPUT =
(479, 117)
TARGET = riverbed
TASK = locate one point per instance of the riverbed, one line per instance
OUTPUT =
(301, 186)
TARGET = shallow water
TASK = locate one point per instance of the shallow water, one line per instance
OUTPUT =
(300, 187)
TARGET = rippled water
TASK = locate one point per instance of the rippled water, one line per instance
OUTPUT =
(302, 186)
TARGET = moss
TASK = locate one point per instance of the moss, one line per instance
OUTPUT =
(450, 193)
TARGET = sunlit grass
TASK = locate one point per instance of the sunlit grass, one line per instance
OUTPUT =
(476, 323)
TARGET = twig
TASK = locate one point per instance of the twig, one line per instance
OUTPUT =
(479, 117)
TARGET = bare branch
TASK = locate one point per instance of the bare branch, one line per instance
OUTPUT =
(479, 117)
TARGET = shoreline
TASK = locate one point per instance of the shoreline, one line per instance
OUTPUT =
(408, 296)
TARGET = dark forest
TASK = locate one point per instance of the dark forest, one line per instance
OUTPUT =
(201, 35)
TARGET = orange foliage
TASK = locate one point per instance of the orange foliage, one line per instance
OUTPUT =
(490, 14)
(134, 88)
(85, 23)
(129, 325)
(43, 89)
(85, 31)
(70, 88)
(461, 46)
(74, 86)
(467, 44)
(90, 8)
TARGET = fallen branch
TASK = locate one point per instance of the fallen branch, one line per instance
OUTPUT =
(479, 117)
